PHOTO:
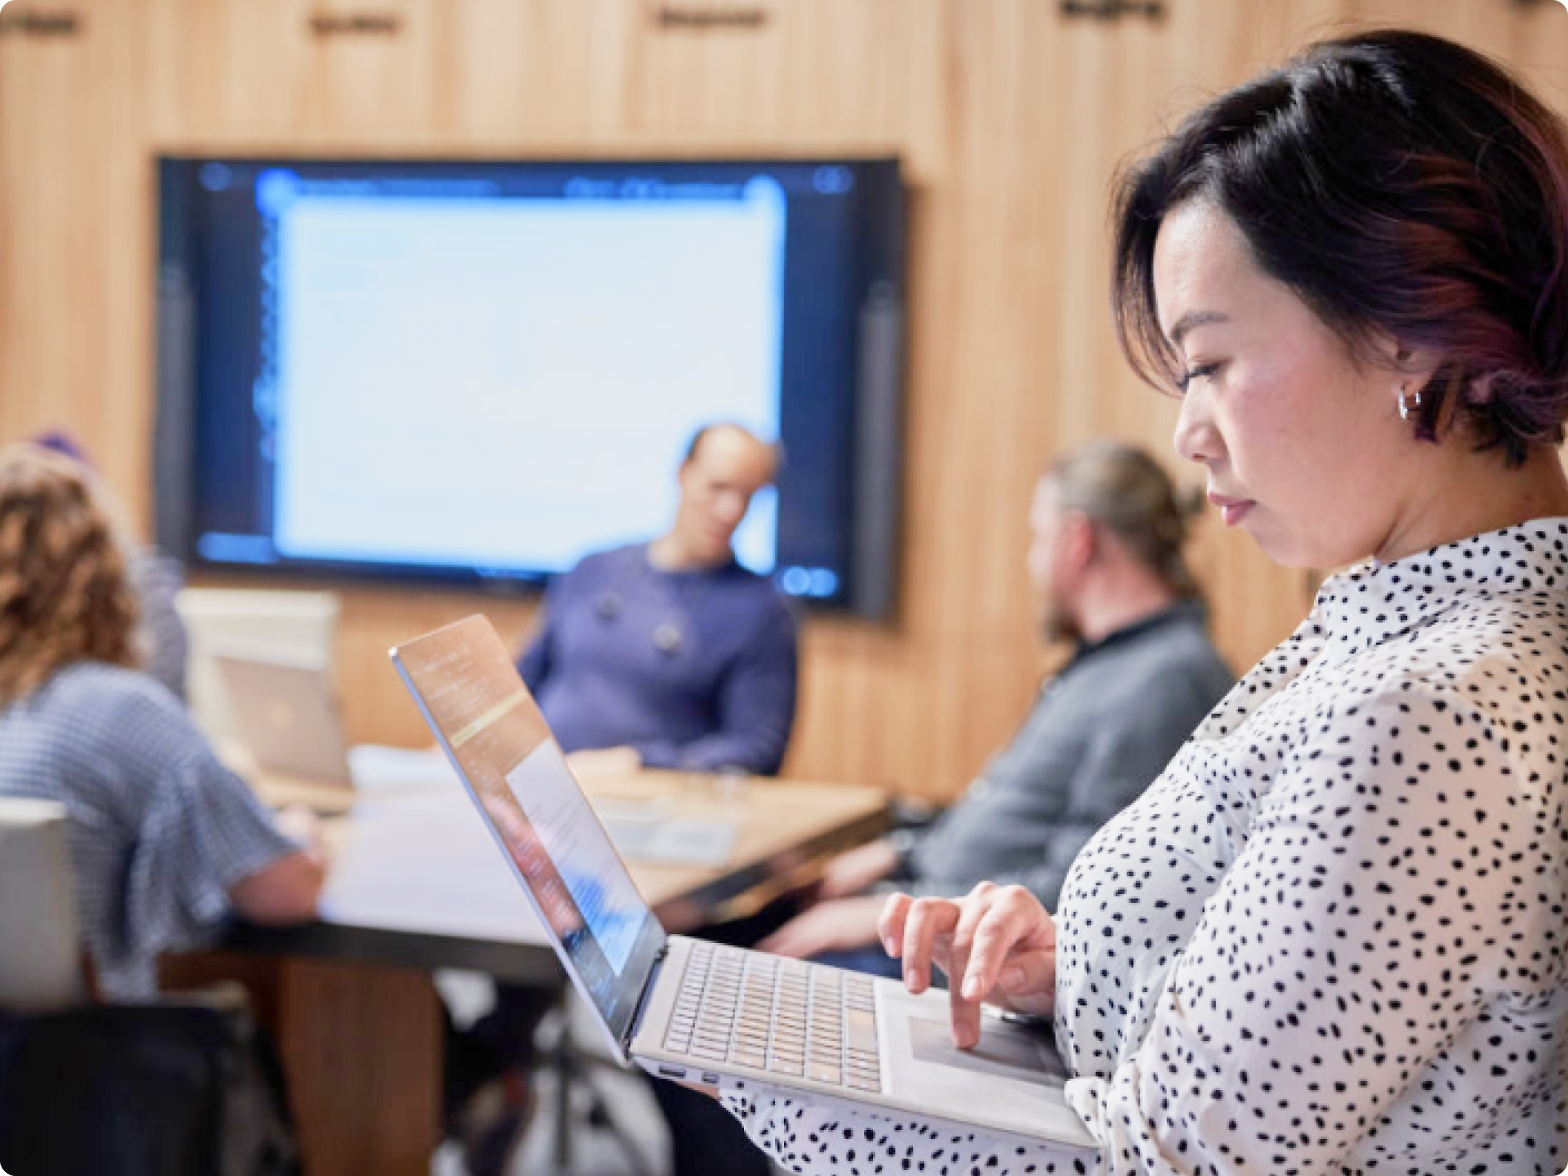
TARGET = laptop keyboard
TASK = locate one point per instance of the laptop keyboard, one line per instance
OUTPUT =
(783, 1016)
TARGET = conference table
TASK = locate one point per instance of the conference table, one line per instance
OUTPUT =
(417, 884)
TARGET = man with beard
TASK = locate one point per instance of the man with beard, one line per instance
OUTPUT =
(1106, 559)
(1105, 556)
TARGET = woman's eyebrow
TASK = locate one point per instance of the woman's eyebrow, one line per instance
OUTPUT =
(1194, 318)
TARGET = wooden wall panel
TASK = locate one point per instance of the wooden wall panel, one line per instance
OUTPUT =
(1011, 120)
(74, 240)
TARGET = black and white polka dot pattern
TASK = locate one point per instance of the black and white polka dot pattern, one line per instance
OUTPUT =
(1329, 939)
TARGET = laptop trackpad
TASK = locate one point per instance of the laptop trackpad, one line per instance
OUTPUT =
(1013, 1080)
(1005, 1051)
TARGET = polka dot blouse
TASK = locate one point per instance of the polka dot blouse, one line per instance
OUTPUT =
(1329, 938)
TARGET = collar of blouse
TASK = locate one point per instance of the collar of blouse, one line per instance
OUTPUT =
(1375, 601)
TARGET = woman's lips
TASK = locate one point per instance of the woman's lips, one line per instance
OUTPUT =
(1232, 510)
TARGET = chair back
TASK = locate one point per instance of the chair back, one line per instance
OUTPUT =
(40, 945)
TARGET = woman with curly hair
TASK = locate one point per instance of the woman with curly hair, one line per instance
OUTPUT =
(165, 842)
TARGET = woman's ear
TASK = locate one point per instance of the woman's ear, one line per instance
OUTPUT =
(1411, 367)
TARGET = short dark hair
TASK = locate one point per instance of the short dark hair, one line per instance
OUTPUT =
(1398, 183)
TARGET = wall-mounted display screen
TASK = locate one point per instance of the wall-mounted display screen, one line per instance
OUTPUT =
(476, 372)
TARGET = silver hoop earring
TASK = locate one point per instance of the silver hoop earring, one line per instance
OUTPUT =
(1409, 402)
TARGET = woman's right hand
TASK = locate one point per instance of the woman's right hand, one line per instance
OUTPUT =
(997, 945)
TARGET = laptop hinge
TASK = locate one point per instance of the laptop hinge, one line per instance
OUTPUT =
(642, 998)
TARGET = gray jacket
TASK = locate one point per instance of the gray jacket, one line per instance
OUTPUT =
(1098, 735)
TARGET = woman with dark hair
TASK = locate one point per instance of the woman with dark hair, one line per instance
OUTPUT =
(1330, 937)
(165, 842)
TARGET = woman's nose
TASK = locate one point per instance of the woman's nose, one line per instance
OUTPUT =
(1196, 438)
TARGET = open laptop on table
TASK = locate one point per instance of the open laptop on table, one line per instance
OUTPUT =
(285, 709)
(286, 712)
(690, 1010)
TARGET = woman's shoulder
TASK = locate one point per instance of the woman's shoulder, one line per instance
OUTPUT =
(1525, 632)
(92, 729)
(1486, 665)
(98, 701)
(101, 684)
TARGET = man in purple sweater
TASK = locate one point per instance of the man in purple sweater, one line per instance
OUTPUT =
(669, 654)
(666, 654)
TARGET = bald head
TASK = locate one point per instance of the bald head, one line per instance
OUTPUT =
(729, 437)
(724, 466)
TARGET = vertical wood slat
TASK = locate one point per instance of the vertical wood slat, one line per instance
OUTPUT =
(1011, 120)
(361, 1047)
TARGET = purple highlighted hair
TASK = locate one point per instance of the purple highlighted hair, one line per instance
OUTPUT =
(1402, 186)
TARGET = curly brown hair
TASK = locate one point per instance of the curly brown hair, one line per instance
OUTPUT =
(64, 596)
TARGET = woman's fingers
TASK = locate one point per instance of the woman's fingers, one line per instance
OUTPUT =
(1028, 983)
(890, 924)
(962, 997)
(997, 943)
(976, 908)
(1014, 921)
(928, 933)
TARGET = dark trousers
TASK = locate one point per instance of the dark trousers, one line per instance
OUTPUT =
(499, 1040)
(705, 1139)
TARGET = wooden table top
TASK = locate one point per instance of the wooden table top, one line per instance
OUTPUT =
(417, 880)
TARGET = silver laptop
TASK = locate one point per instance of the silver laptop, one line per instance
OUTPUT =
(686, 1009)
(284, 707)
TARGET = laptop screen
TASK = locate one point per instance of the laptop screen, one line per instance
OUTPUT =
(473, 699)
